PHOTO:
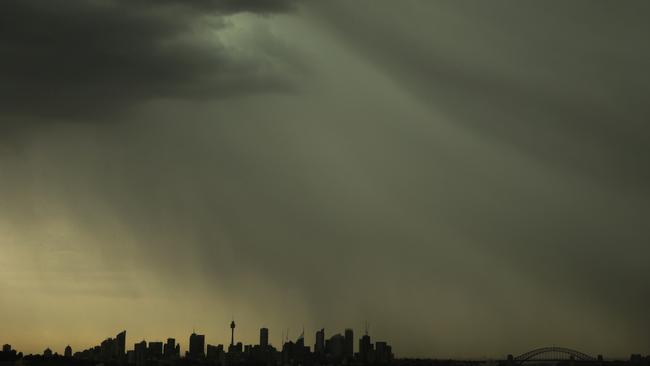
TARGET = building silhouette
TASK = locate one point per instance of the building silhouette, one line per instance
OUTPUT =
(336, 350)
(140, 352)
(108, 349)
(197, 346)
(169, 349)
(215, 353)
(155, 350)
(296, 352)
(365, 349)
(264, 337)
(120, 345)
(335, 347)
(319, 345)
(232, 332)
(9, 355)
(348, 347)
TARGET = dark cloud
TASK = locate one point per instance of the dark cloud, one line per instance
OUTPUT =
(92, 58)
(230, 6)
(562, 82)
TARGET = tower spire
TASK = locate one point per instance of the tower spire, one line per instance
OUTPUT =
(232, 332)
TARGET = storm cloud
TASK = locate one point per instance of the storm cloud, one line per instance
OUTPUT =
(84, 58)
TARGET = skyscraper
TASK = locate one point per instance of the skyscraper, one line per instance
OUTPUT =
(365, 347)
(108, 349)
(383, 352)
(348, 347)
(197, 345)
(68, 351)
(264, 337)
(336, 346)
(120, 345)
(140, 353)
(319, 346)
(170, 348)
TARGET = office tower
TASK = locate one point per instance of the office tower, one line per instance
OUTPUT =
(6, 348)
(120, 345)
(365, 347)
(319, 346)
(381, 352)
(155, 350)
(348, 348)
(47, 353)
(68, 351)
(232, 332)
(336, 347)
(264, 337)
(177, 350)
(140, 353)
(108, 349)
(197, 345)
(170, 348)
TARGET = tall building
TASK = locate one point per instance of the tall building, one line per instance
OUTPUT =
(6, 348)
(108, 349)
(68, 351)
(383, 353)
(169, 350)
(319, 346)
(365, 348)
(232, 332)
(120, 345)
(264, 337)
(348, 347)
(140, 353)
(336, 346)
(47, 353)
(197, 345)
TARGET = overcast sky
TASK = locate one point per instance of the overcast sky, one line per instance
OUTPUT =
(469, 177)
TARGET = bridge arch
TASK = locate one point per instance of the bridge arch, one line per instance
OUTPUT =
(553, 354)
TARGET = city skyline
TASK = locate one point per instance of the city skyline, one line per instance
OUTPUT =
(335, 347)
(279, 339)
(197, 346)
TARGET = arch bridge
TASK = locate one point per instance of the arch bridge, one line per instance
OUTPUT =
(552, 354)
